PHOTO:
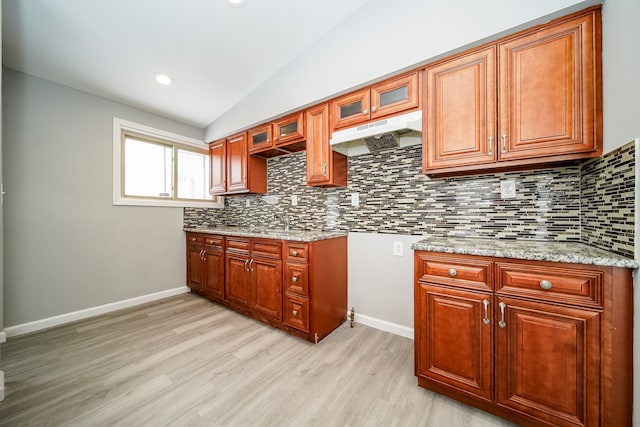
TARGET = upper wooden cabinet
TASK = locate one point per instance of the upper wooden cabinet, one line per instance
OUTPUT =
(325, 167)
(383, 99)
(533, 98)
(232, 170)
(283, 136)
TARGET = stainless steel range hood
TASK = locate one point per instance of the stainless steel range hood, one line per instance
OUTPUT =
(398, 131)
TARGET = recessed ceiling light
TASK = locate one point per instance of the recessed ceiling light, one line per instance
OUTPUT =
(237, 3)
(163, 79)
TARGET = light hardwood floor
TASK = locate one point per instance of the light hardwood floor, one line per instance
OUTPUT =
(185, 361)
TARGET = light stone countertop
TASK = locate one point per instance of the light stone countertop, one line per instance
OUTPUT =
(269, 233)
(569, 252)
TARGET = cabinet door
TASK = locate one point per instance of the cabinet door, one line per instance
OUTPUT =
(318, 149)
(351, 109)
(213, 285)
(548, 358)
(461, 105)
(266, 287)
(217, 167)
(289, 129)
(237, 163)
(547, 90)
(260, 138)
(395, 95)
(195, 270)
(454, 338)
(237, 279)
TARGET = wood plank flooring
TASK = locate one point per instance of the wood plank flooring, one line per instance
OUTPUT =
(185, 361)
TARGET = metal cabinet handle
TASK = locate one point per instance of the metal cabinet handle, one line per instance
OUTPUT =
(365, 112)
(490, 153)
(202, 252)
(502, 323)
(373, 109)
(245, 264)
(251, 265)
(485, 319)
(453, 272)
(193, 239)
(545, 284)
(268, 140)
(294, 279)
(504, 143)
(294, 312)
(294, 253)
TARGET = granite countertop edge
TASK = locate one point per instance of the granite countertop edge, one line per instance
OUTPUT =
(266, 233)
(566, 252)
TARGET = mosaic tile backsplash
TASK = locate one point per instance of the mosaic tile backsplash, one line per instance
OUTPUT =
(608, 201)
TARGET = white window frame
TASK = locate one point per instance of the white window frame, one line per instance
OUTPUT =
(120, 126)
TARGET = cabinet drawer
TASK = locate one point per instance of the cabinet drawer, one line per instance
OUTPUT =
(455, 271)
(195, 239)
(560, 284)
(215, 241)
(297, 251)
(237, 245)
(266, 248)
(296, 279)
(296, 312)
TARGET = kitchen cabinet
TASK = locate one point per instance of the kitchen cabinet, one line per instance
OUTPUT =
(299, 287)
(232, 170)
(325, 167)
(205, 265)
(392, 96)
(282, 136)
(534, 98)
(531, 341)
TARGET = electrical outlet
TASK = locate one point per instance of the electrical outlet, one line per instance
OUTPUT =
(508, 189)
(397, 248)
(294, 200)
(355, 199)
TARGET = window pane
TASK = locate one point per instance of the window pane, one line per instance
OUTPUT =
(193, 175)
(148, 169)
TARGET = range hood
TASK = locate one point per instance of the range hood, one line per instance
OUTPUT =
(398, 131)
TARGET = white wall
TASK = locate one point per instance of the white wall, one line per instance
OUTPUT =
(66, 247)
(381, 38)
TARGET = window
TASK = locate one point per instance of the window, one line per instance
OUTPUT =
(157, 168)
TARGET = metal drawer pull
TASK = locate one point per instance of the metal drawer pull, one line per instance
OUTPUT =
(453, 272)
(294, 253)
(245, 264)
(545, 284)
(294, 279)
(295, 312)
(251, 265)
(485, 320)
(502, 323)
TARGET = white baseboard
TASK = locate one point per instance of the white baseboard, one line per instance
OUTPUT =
(383, 325)
(1, 386)
(61, 319)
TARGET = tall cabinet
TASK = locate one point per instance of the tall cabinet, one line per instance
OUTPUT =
(325, 167)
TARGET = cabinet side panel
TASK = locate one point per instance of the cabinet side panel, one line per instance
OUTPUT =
(328, 284)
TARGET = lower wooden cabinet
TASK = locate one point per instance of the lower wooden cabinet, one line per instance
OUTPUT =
(535, 342)
(300, 287)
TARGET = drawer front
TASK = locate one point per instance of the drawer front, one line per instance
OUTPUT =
(455, 271)
(296, 279)
(266, 248)
(297, 251)
(296, 312)
(564, 284)
(195, 239)
(237, 245)
(215, 241)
